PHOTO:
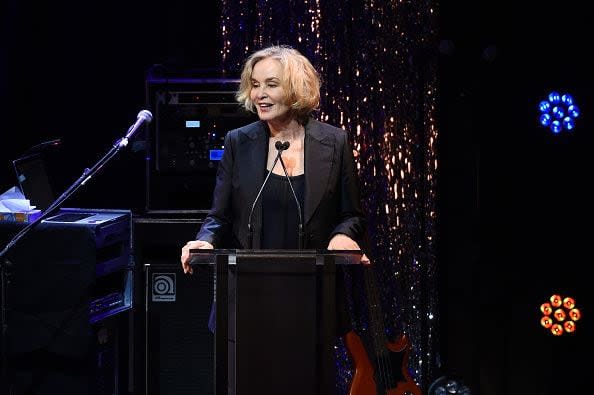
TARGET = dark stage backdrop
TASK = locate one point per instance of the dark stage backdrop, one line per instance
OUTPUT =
(77, 73)
(528, 189)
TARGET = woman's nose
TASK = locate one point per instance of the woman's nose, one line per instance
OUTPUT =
(261, 92)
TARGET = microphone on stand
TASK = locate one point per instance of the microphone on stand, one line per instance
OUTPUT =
(286, 145)
(280, 148)
(142, 117)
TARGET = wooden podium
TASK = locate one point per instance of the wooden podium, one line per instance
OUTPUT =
(275, 319)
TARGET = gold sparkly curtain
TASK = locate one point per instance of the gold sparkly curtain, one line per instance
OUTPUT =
(378, 66)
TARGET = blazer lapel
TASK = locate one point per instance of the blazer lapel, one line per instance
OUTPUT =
(252, 161)
(319, 154)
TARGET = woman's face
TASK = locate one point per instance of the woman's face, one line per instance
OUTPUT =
(267, 93)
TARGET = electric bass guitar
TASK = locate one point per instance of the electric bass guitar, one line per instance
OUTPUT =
(388, 373)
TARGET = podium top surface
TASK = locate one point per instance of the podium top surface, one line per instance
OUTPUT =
(341, 257)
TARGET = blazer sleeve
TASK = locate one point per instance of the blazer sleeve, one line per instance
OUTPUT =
(352, 221)
(218, 221)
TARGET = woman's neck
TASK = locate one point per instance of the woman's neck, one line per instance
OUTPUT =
(290, 130)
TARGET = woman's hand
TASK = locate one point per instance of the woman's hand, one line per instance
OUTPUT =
(192, 245)
(343, 242)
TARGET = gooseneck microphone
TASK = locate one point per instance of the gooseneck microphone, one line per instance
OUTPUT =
(280, 147)
(286, 145)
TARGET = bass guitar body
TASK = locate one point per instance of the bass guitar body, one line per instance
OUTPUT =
(391, 378)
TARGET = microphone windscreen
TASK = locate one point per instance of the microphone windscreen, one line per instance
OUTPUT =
(278, 145)
(146, 115)
(286, 145)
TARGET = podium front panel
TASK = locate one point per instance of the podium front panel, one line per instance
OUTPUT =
(276, 319)
(274, 336)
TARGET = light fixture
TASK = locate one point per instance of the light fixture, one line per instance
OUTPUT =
(559, 315)
(558, 112)
(448, 385)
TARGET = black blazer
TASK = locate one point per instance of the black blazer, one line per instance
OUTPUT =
(332, 197)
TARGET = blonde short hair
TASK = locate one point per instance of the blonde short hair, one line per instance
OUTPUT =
(299, 79)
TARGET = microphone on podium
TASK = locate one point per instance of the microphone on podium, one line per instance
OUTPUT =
(280, 147)
(286, 145)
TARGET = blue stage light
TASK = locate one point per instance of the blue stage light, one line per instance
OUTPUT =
(573, 111)
(545, 119)
(567, 99)
(544, 106)
(554, 97)
(558, 112)
(568, 123)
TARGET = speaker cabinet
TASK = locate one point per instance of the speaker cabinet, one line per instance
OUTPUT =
(179, 346)
(174, 350)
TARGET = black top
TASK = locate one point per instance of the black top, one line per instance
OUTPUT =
(280, 218)
(332, 198)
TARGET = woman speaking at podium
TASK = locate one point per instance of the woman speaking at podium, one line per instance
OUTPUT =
(283, 88)
(254, 203)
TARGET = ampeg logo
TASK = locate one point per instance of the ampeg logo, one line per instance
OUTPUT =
(163, 287)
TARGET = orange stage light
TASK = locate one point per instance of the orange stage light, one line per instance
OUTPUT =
(569, 326)
(546, 308)
(575, 314)
(560, 315)
(557, 330)
(556, 300)
(568, 303)
(564, 313)
(546, 321)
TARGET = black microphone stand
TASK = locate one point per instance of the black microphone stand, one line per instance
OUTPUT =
(300, 234)
(82, 180)
(280, 149)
